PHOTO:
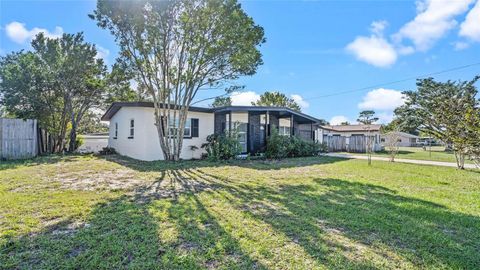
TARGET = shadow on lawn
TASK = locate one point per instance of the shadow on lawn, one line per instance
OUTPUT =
(336, 215)
(48, 159)
(258, 164)
(340, 224)
(140, 231)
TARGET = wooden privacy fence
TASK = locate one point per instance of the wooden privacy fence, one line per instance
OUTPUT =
(18, 138)
(352, 144)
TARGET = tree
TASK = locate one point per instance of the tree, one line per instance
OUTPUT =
(175, 48)
(367, 118)
(346, 123)
(392, 136)
(441, 110)
(56, 83)
(277, 99)
(221, 102)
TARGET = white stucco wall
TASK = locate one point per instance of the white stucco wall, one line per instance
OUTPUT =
(145, 144)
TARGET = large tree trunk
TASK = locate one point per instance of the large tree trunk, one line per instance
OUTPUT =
(73, 137)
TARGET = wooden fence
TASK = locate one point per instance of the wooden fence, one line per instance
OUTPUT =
(352, 144)
(18, 138)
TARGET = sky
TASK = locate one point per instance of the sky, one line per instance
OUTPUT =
(335, 58)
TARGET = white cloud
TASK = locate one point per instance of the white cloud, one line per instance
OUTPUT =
(338, 119)
(18, 33)
(102, 53)
(375, 49)
(300, 101)
(470, 28)
(461, 45)
(434, 19)
(244, 98)
(382, 99)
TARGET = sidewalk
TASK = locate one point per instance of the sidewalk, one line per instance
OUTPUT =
(413, 161)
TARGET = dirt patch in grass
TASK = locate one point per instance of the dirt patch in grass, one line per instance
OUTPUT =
(108, 180)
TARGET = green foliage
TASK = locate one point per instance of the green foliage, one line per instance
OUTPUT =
(367, 117)
(223, 146)
(446, 111)
(277, 99)
(56, 83)
(175, 48)
(279, 146)
(221, 102)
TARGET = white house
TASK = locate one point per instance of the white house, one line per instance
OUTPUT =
(132, 131)
(404, 139)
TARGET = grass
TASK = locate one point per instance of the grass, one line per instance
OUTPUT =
(309, 213)
(437, 153)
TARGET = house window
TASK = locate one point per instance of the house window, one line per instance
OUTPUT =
(382, 140)
(132, 129)
(242, 129)
(116, 131)
(187, 132)
(284, 131)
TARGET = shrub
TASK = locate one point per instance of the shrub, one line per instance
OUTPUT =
(279, 146)
(223, 146)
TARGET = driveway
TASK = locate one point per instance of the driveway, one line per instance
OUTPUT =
(413, 161)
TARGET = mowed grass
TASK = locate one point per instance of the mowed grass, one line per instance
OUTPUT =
(437, 153)
(88, 212)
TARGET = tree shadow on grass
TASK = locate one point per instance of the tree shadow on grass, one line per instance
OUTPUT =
(48, 159)
(140, 231)
(372, 226)
(162, 165)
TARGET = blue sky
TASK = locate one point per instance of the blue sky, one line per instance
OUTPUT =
(313, 49)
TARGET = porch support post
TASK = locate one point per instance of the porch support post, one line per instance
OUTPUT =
(267, 124)
(292, 131)
(311, 132)
(230, 121)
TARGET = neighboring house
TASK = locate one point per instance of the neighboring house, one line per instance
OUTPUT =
(345, 136)
(133, 133)
(93, 143)
(404, 139)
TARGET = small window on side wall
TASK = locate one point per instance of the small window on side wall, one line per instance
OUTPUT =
(132, 129)
(116, 131)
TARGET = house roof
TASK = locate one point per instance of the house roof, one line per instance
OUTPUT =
(115, 107)
(352, 128)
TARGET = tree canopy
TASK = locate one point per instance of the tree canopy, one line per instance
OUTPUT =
(277, 99)
(221, 102)
(447, 111)
(57, 83)
(176, 48)
(367, 117)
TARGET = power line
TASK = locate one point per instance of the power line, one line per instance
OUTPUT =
(366, 87)
(394, 82)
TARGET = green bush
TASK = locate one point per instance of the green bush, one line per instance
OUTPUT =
(223, 146)
(279, 146)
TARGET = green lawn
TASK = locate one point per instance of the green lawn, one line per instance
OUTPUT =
(437, 153)
(87, 212)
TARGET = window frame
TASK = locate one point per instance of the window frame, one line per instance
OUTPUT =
(131, 129)
(115, 131)
(188, 124)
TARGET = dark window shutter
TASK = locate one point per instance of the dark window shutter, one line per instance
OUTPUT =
(194, 127)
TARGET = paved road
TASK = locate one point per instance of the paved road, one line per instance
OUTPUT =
(413, 161)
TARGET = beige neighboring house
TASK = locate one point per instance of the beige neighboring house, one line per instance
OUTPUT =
(404, 139)
(349, 131)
